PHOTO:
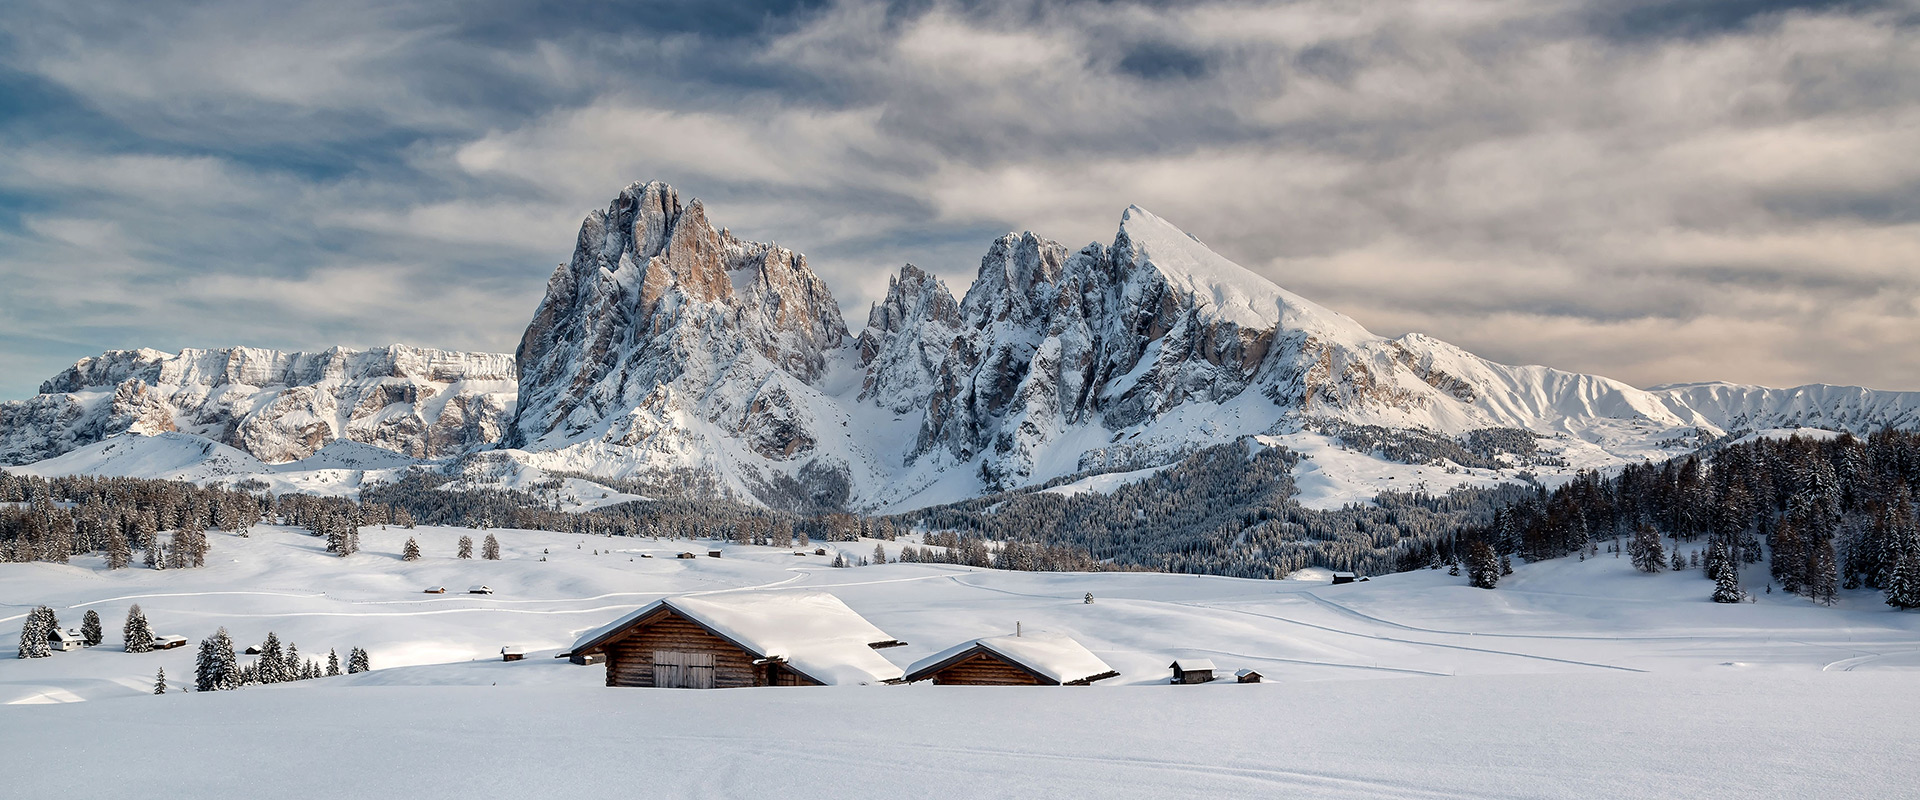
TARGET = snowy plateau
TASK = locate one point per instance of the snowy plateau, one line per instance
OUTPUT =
(679, 358)
(1575, 679)
(670, 357)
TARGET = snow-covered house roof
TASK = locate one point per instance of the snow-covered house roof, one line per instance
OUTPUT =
(66, 635)
(1054, 658)
(813, 633)
(1193, 664)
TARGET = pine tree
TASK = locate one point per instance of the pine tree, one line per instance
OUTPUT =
(466, 547)
(1902, 585)
(1822, 577)
(490, 549)
(34, 631)
(1483, 567)
(1679, 560)
(271, 666)
(1726, 585)
(411, 551)
(215, 668)
(1506, 565)
(90, 633)
(136, 633)
(1647, 552)
(119, 555)
(357, 661)
(879, 553)
(160, 681)
(333, 663)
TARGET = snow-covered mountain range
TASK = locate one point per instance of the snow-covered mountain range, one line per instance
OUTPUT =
(276, 406)
(674, 353)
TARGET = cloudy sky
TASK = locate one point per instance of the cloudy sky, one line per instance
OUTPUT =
(1718, 189)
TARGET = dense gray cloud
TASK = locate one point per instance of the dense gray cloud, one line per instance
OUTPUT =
(1654, 191)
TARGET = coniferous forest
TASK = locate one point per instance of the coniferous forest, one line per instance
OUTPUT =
(1821, 514)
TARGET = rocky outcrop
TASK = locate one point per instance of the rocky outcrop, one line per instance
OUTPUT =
(655, 295)
(277, 406)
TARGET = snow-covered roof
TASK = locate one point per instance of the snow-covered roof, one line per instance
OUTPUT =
(1056, 657)
(814, 633)
(169, 638)
(58, 635)
(1244, 673)
(1193, 664)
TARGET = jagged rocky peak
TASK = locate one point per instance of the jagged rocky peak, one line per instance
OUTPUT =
(278, 406)
(908, 335)
(654, 292)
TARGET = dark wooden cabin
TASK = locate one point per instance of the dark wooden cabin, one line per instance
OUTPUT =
(720, 642)
(1247, 676)
(1192, 670)
(1034, 659)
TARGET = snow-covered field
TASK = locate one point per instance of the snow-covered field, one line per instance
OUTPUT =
(1574, 679)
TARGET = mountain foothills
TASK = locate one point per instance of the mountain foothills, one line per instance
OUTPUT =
(671, 357)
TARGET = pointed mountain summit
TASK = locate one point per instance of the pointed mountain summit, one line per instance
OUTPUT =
(696, 363)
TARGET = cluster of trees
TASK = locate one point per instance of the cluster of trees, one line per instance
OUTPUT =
(1486, 448)
(1224, 510)
(217, 668)
(166, 521)
(1824, 514)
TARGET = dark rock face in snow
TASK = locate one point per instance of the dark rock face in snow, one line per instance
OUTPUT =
(276, 405)
(654, 295)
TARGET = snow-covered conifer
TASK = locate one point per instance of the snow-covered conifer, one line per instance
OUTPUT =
(466, 547)
(410, 551)
(34, 631)
(1726, 586)
(1649, 555)
(490, 549)
(160, 681)
(333, 663)
(137, 635)
(90, 633)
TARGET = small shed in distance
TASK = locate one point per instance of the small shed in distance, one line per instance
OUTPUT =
(1247, 676)
(686, 555)
(64, 640)
(169, 641)
(1343, 577)
(1032, 659)
(1192, 670)
(481, 589)
(511, 653)
(713, 554)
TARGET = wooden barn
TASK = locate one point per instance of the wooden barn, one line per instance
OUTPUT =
(719, 641)
(1247, 676)
(168, 642)
(1030, 659)
(1192, 670)
(1343, 577)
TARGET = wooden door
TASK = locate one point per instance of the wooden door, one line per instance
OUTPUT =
(674, 669)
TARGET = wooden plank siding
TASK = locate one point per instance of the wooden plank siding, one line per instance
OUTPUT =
(630, 659)
(984, 669)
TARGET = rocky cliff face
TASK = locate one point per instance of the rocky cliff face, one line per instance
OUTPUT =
(276, 405)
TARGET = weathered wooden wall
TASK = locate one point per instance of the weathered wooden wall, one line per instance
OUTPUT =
(982, 669)
(630, 660)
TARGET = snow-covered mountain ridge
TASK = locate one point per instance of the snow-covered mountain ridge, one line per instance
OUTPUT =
(673, 353)
(668, 350)
(275, 406)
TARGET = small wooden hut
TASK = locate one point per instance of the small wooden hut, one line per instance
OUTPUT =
(168, 642)
(64, 640)
(1030, 659)
(1247, 676)
(720, 641)
(1343, 577)
(1192, 670)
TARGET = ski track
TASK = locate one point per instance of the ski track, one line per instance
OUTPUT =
(1391, 624)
